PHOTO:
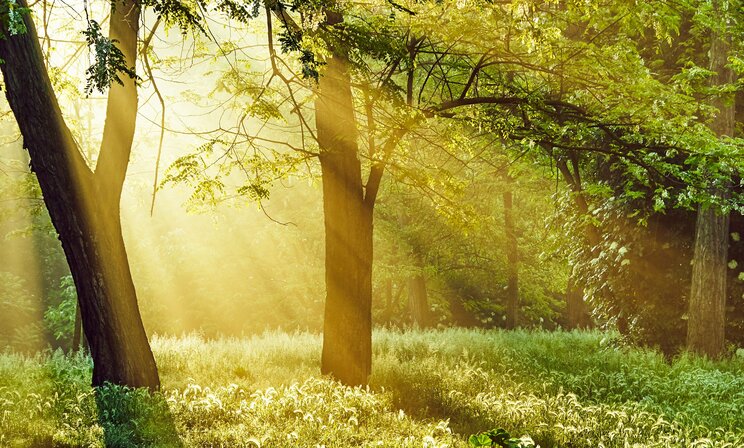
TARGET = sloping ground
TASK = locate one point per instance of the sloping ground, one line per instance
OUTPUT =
(428, 389)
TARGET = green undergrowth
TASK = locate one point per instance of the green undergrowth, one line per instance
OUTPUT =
(428, 389)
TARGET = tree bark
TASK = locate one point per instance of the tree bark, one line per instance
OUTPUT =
(707, 310)
(84, 204)
(512, 259)
(418, 301)
(347, 327)
(706, 322)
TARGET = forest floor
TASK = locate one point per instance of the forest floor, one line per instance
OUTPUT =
(428, 389)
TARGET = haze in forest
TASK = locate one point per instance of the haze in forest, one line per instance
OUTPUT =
(382, 223)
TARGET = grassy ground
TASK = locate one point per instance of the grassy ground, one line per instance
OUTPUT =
(428, 389)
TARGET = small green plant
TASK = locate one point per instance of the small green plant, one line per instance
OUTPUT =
(59, 319)
(499, 437)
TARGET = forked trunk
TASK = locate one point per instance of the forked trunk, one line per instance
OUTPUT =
(83, 205)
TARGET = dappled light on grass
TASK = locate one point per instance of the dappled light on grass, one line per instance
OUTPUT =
(428, 388)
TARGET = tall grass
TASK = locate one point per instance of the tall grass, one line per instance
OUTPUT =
(428, 389)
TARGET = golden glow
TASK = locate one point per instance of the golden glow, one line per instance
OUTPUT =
(20, 257)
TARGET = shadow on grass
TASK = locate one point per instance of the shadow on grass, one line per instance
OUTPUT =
(135, 418)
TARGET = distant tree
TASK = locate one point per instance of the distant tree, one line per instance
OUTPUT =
(512, 257)
(706, 321)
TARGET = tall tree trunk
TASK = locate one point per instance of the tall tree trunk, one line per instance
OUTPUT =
(83, 204)
(577, 314)
(707, 310)
(387, 312)
(512, 259)
(418, 301)
(347, 327)
(706, 322)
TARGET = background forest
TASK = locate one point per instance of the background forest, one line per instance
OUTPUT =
(440, 200)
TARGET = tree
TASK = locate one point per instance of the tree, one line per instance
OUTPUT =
(348, 200)
(83, 203)
(512, 257)
(532, 88)
(577, 315)
(418, 301)
(347, 327)
(706, 322)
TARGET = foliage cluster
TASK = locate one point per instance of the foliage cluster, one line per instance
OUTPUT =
(109, 60)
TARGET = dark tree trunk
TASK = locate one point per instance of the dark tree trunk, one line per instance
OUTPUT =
(512, 259)
(418, 301)
(84, 205)
(706, 322)
(347, 328)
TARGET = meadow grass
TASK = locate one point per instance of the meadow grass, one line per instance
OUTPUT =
(428, 388)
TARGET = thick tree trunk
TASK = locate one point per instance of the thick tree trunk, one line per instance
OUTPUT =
(706, 322)
(418, 301)
(512, 259)
(707, 310)
(84, 205)
(347, 328)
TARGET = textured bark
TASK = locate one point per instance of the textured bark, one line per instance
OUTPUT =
(347, 327)
(512, 259)
(706, 322)
(84, 205)
(418, 301)
(707, 310)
